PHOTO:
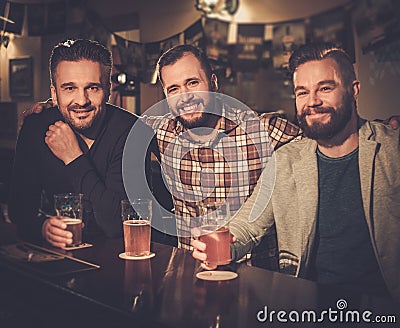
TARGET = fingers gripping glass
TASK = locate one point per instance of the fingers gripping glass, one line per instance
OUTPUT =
(213, 232)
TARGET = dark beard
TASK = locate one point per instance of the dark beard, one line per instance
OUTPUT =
(339, 119)
(90, 130)
(78, 127)
(203, 121)
(207, 119)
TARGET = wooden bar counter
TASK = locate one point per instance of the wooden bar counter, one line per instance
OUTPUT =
(164, 292)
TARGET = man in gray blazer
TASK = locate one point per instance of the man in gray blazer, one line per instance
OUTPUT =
(336, 197)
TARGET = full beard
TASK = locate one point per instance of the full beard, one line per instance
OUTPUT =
(204, 120)
(325, 131)
(208, 117)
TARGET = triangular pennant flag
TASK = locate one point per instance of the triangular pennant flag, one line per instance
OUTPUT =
(287, 37)
(152, 51)
(249, 46)
(216, 33)
(194, 34)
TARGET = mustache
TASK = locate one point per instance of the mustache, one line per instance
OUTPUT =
(318, 110)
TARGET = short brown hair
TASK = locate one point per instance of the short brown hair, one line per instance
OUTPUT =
(172, 55)
(320, 51)
(76, 50)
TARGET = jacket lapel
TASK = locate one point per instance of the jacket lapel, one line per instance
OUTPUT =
(367, 149)
(306, 177)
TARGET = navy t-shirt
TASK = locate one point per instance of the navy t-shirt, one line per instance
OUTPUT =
(344, 253)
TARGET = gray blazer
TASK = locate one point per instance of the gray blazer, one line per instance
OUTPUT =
(294, 201)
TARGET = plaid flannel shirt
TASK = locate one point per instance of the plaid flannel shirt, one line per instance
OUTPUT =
(225, 168)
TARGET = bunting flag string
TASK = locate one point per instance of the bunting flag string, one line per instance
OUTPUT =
(335, 26)
(194, 34)
(255, 46)
(152, 52)
(250, 38)
(132, 54)
(286, 38)
(216, 40)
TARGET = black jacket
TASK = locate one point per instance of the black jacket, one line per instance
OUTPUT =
(38, 174)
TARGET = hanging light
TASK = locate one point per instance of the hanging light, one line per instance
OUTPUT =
(125, 83)
(211, 7)
(4, 40)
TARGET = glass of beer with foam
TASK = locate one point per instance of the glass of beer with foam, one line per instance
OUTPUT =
(136, 220)
(213, 231)
(68, 208)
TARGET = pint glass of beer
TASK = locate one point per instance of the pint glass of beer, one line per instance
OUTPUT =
(136, 219)
(214, 233)
(68, 208)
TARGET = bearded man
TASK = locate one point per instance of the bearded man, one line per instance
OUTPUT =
(212, 148)
(336, 199)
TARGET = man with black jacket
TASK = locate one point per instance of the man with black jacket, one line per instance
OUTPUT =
(76, 148)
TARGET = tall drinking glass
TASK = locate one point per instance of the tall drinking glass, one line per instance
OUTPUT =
(215, 234)
(136, 219)
(68, 208)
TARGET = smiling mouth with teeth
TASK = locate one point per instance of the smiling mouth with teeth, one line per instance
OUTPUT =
(81, 110)
(192, 107)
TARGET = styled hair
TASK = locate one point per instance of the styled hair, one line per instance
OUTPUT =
(172, 55)
(80, 49)
(320, 51)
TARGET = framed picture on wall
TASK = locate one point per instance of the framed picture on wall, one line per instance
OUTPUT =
(21, 77)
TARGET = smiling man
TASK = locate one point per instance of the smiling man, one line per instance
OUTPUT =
(212, 148)
(336, 198)
(183, 83)
(77, 147)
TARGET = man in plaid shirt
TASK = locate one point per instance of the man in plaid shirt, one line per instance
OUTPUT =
(211, 151)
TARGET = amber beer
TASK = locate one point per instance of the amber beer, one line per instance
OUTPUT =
(217, 242)
(75, 226)
(137, 237)
(68, 209)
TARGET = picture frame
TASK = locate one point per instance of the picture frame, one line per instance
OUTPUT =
(21, 77)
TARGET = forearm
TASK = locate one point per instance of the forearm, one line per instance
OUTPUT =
(104, 195)
(254, 219)
(248, 234)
